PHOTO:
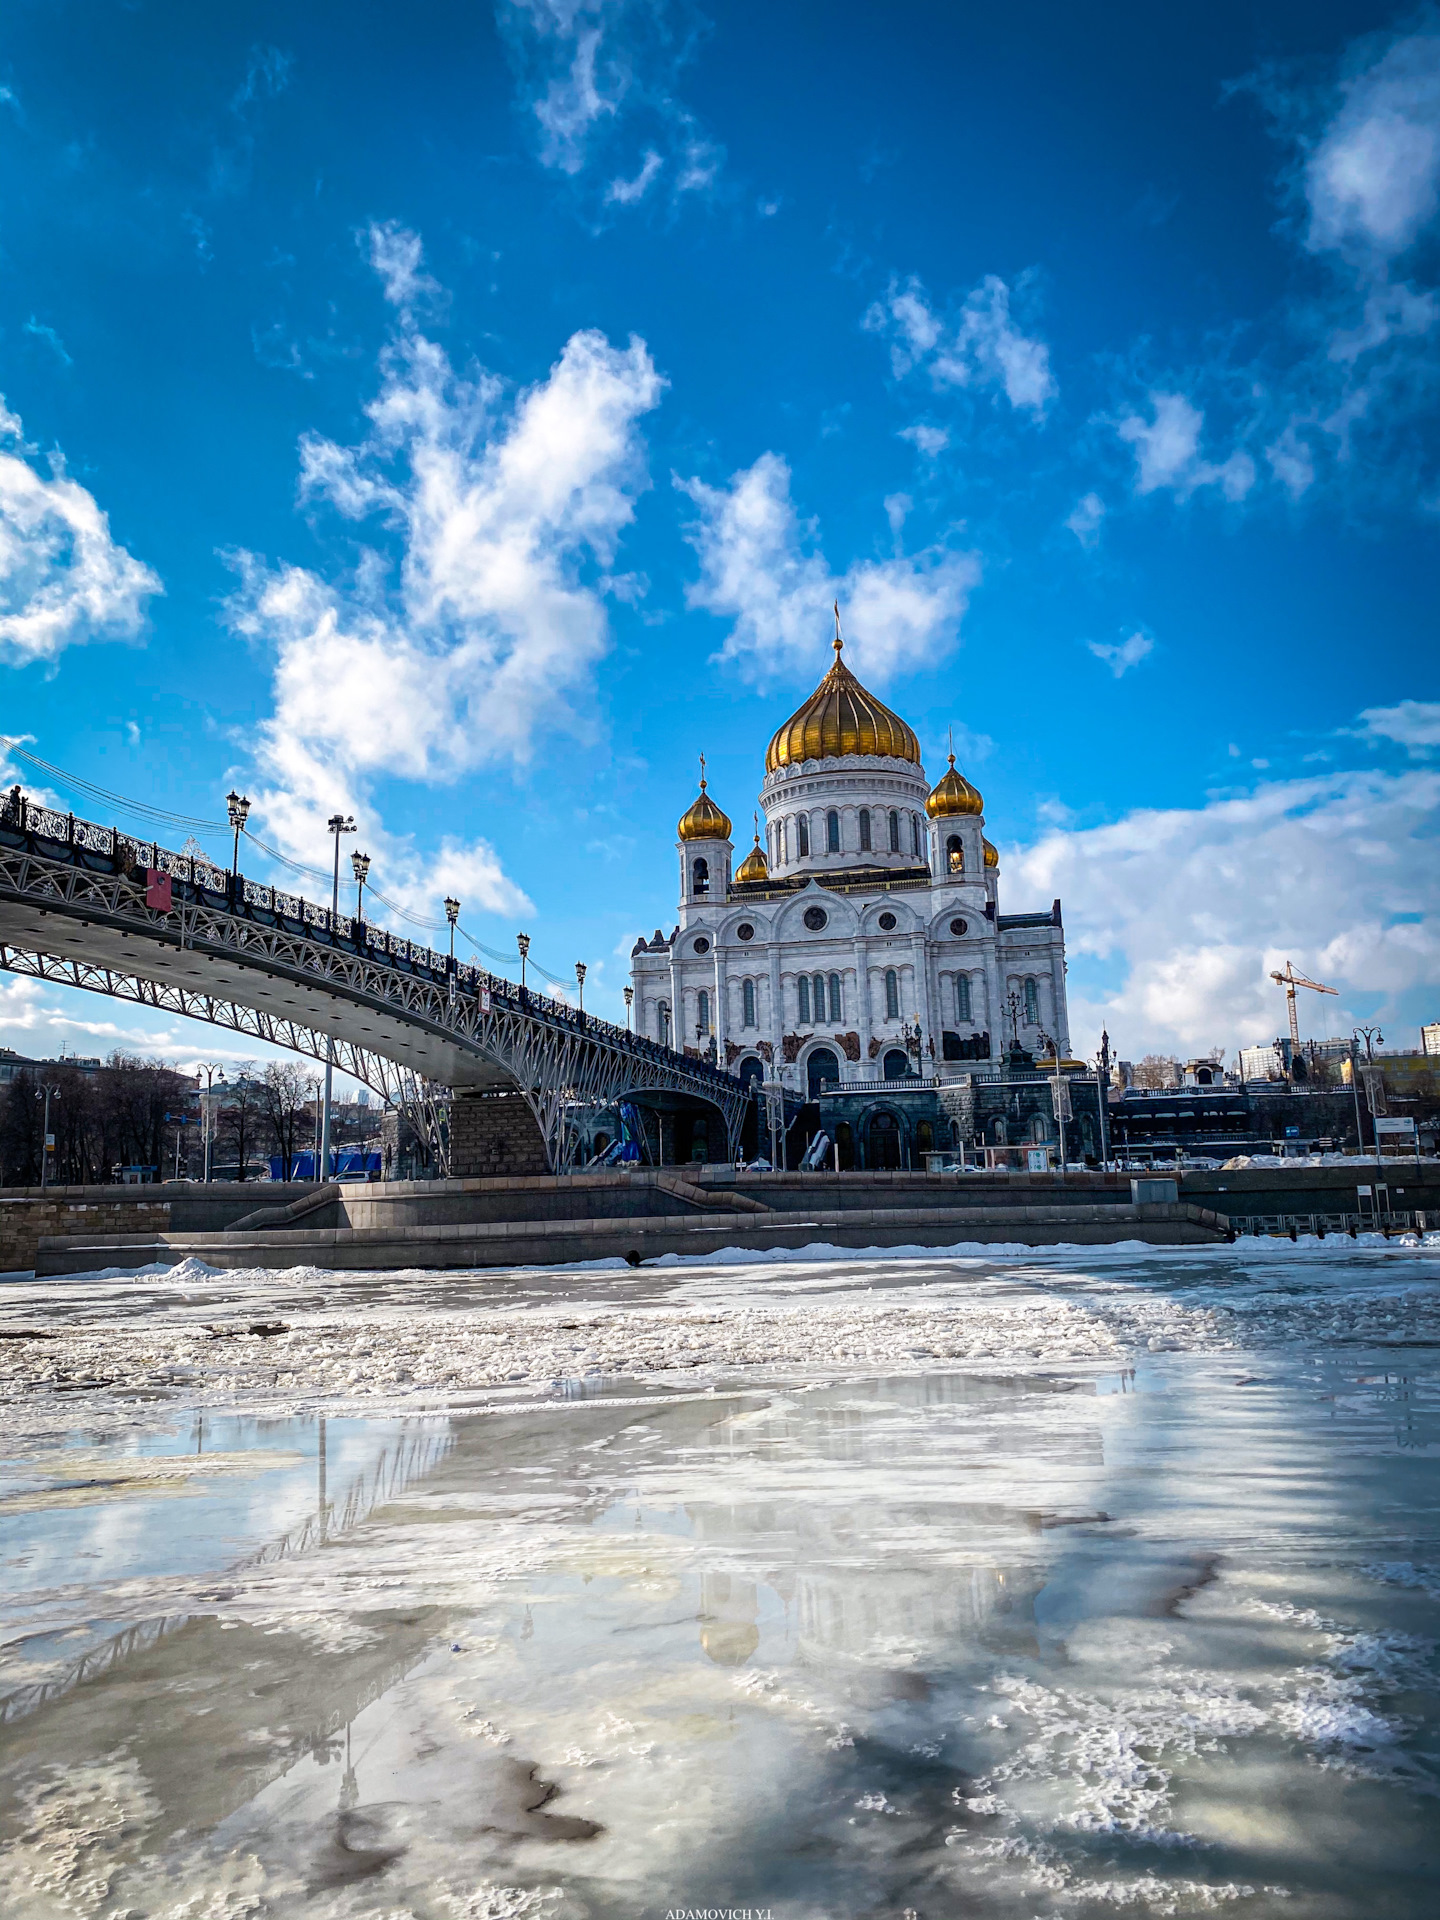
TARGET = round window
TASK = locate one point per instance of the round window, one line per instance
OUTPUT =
(959, 926)
(816, 918)
(744, 931)
(702, 945)
(887, 923)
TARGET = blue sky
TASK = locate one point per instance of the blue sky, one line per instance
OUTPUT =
(466, 416)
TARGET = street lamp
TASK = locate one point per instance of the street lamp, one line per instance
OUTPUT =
(1372, 1036)
(452, 914)
(47, 1140)
(522, 941)
(210, 1068)
(360, 867)
(580, 982)
(338, 823)
(629, 1003)
(239, 808)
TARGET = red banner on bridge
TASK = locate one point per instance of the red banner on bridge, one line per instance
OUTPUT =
(158, 890)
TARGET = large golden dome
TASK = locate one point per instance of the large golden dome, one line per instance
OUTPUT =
(952, 796)
(703, 820)
(841, 717)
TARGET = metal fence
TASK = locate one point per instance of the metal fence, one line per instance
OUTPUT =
(1289, 1226)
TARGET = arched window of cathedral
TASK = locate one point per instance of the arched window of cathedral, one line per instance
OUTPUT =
(892, 989)
(962, 997)
(894, 831)
(865, 829)
(662, 1022)
(802, 986)
(802, 835)
(955, 854)
(748, 996)
(837, 1012)
(819, 998)
(700, 873)
(702, 1016)
(915, 834)
(832, 831)
(1032, 1003)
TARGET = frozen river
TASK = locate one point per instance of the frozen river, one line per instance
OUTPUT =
(996, 1584)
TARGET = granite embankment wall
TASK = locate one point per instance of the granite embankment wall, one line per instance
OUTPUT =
(30, 1214)
(506, 1220)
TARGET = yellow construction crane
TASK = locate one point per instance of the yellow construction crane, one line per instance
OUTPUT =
(1289, 980)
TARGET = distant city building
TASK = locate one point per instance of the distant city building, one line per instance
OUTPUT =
(860, 940)
(1430, 1038)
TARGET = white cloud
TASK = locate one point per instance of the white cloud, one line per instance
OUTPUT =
(626, 192)
(1187, 910)
(397, 254)
(980, 347)
(1086, 518)
(929, 441)
(1372, 180)
(505, 519)
(1414, 724)
(1124, 654)
(63, 579)
(1167, 452)
(1291, 462)
(760, 567)
(594, 72)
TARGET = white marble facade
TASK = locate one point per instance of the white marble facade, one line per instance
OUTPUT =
(870, 911)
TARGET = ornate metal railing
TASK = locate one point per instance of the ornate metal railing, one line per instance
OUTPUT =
(555, 1053)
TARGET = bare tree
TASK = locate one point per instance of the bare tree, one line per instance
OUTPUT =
(1157, 1071)
(241, 1120)
(285, 1093)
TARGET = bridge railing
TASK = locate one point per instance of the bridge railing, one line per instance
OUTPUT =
(86, 841)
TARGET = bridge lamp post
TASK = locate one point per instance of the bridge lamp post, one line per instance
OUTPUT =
(522, 941)
(47, 1139)
(629, 1003)
(580, 982)
(239, 809)
(360, 867)
(338, 823)
(452, 914)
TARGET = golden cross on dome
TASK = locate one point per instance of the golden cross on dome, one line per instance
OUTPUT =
(839, 643)
(702, 772)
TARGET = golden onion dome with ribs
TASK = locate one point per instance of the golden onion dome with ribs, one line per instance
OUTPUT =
(841, 718)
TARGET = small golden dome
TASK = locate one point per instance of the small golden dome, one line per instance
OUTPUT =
(953, 796)
(703, 820)
(754, 866)
(840, 717)
(992, 858)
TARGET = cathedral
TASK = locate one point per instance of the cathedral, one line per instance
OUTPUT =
(860, 939)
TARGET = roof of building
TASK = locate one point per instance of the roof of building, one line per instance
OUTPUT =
(953, 797)
(703, 820)
(754, 867)
(841, 717)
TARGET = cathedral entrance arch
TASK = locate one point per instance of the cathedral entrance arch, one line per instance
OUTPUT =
(822, 1065)
(882, 1142)
(897, 1064)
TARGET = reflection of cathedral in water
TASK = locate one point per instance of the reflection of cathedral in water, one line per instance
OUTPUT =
(860, 1568)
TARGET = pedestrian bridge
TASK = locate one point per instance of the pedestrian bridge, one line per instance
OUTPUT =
(76, 909)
